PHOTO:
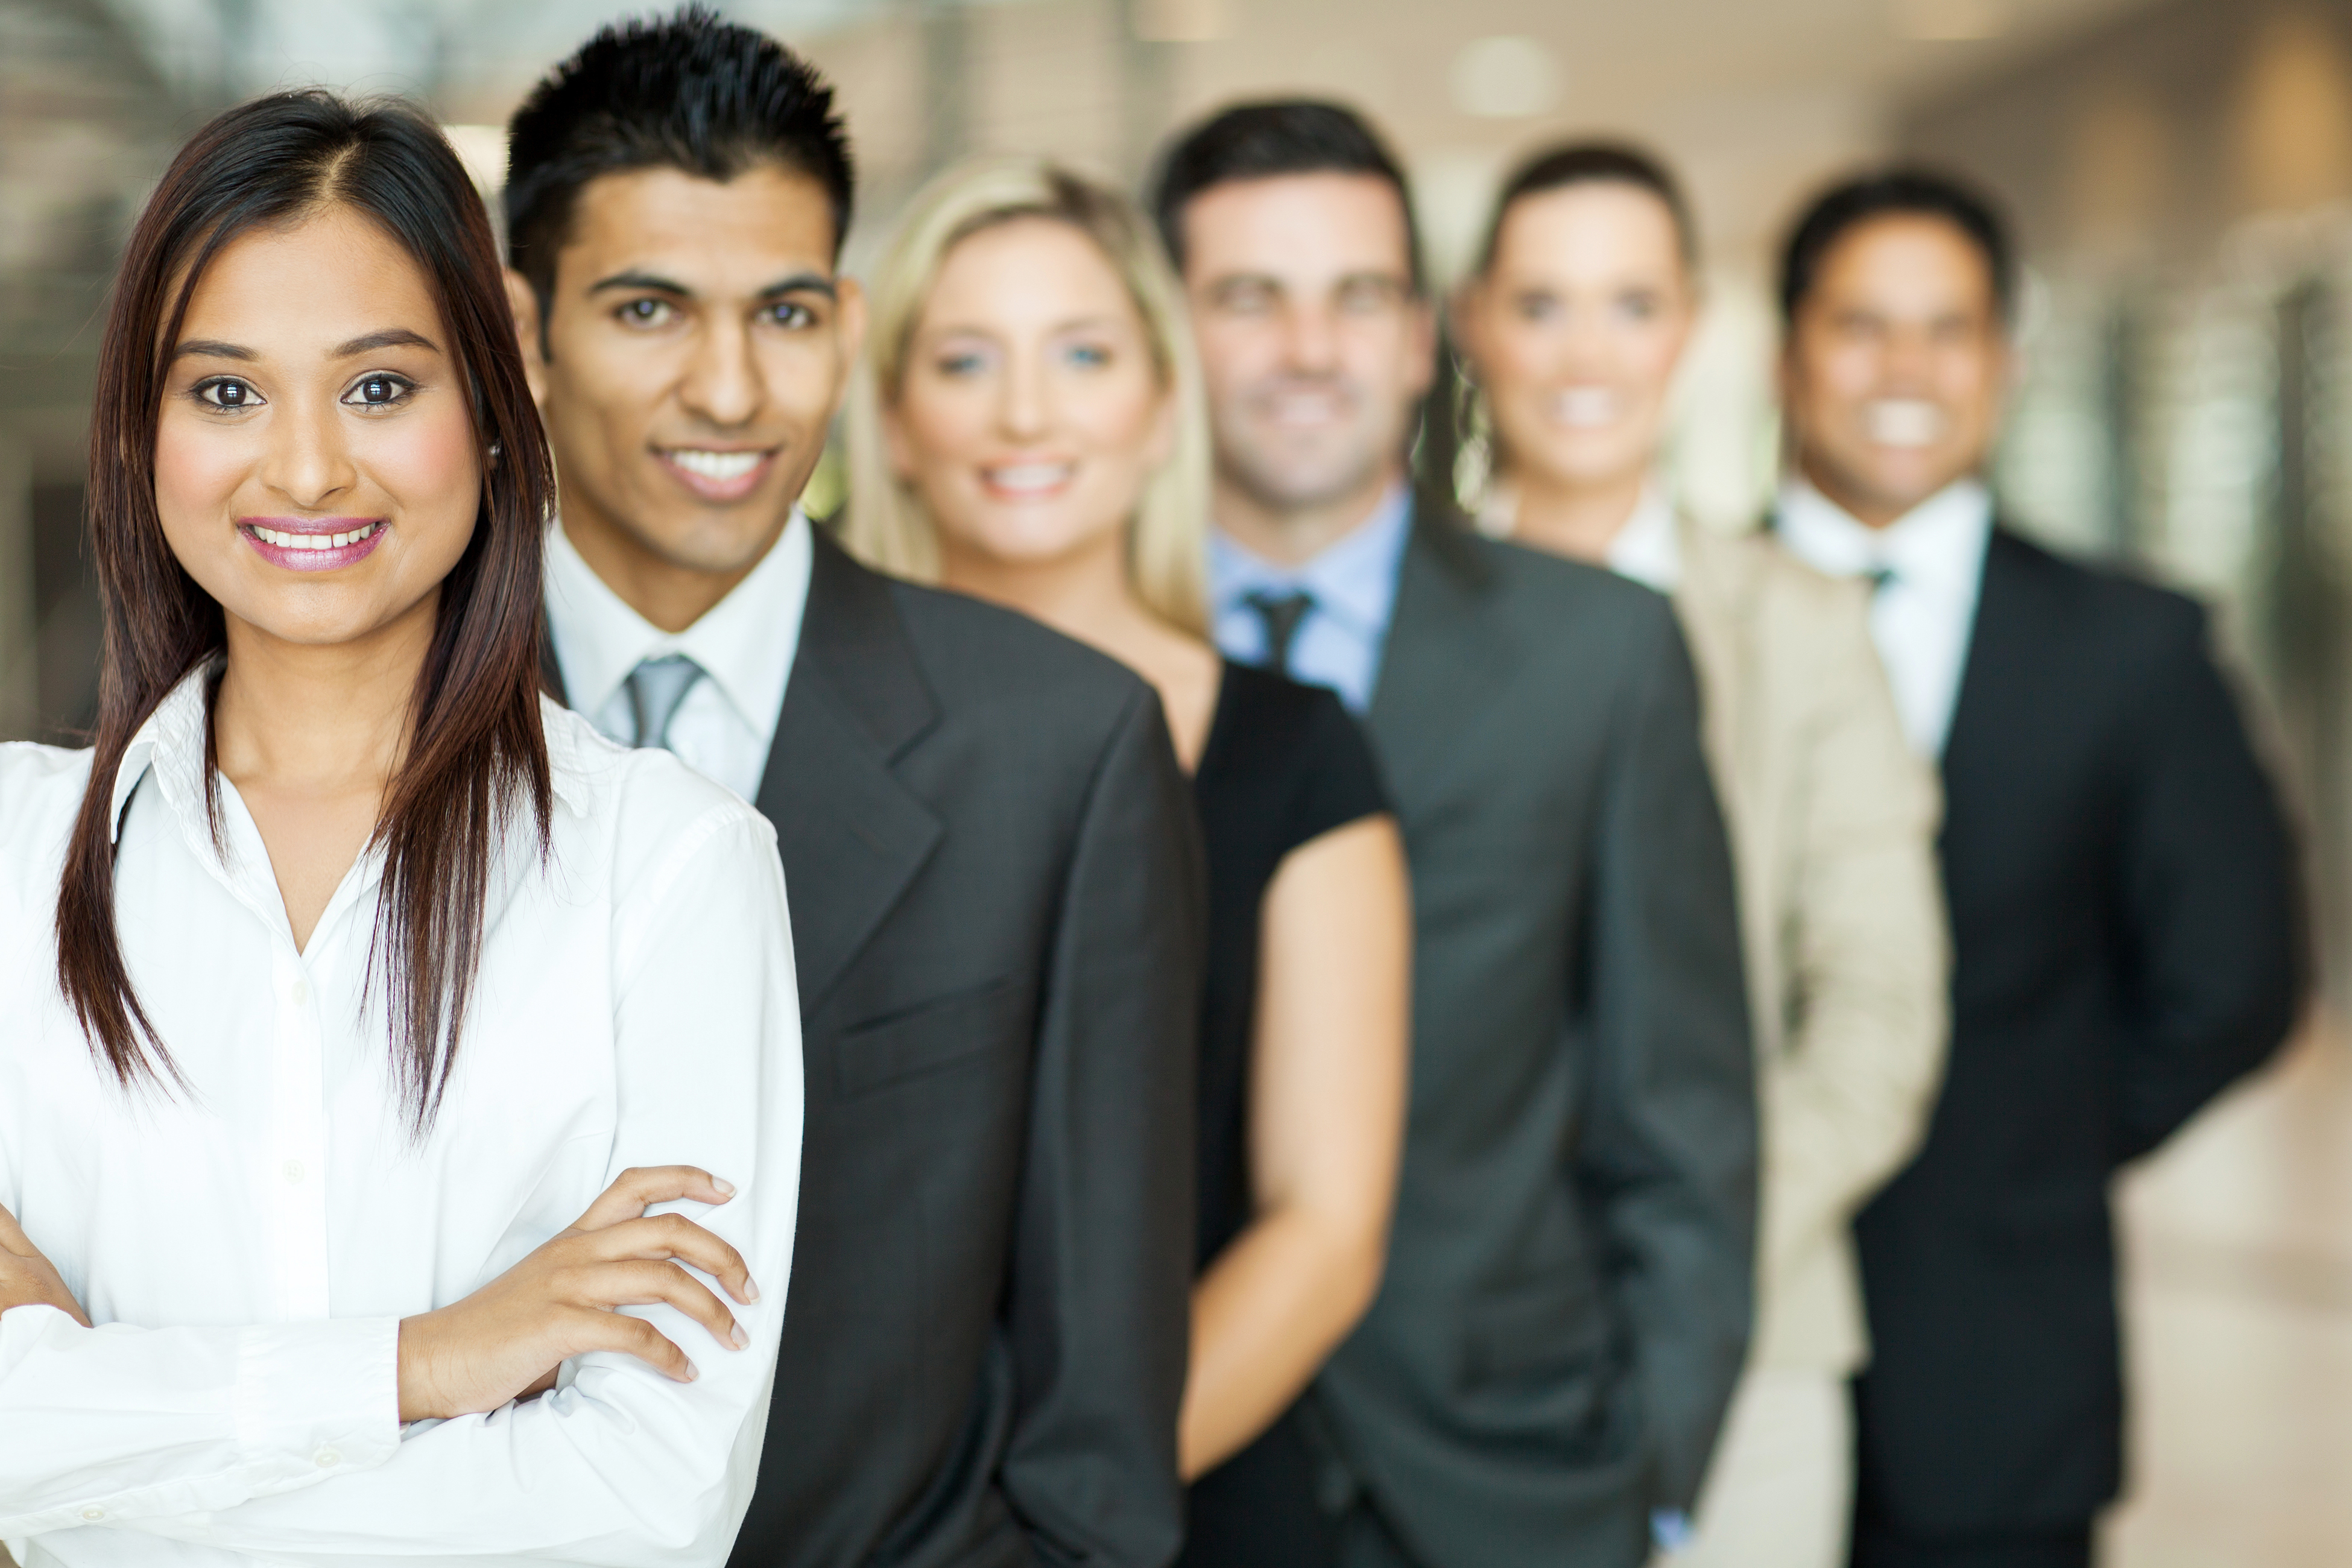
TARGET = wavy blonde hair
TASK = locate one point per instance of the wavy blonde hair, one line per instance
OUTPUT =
(887, 524)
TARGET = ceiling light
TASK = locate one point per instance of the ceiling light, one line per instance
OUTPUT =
(1181, 21)
(1505, 78)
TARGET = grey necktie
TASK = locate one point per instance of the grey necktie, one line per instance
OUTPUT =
(1879, 577)
(655, 688)
(1282, 614)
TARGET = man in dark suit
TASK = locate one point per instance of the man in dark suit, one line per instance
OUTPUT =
(989, 849)
(2122, 891)
(1566, 1295)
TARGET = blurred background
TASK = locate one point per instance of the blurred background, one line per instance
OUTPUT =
(2180, 172)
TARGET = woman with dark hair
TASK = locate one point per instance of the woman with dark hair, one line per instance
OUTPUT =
(1570, 329)
(355, 1002)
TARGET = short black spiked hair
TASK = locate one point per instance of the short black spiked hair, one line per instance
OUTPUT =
(1900, 192)
(689, 91)
(1261, 141)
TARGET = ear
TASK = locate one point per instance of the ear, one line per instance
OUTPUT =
(849, 333)
(523, 301)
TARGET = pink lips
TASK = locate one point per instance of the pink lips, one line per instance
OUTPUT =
(305, 556)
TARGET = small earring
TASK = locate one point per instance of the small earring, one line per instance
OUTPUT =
(496, 447)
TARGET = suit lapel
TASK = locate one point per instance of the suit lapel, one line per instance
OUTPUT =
(1440, 653)
(1988, 672)
(852, 835)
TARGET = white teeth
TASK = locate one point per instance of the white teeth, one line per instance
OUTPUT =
(1030, 476)
(285, 540)
(1908, 422)
(1587, 408)
(721, 466)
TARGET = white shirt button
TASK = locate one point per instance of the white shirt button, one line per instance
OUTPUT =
(93, 1514)
(300, 992)
(293, 1169)
(327, 1459)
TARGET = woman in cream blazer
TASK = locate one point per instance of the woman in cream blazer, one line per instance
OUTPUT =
(1571, 328)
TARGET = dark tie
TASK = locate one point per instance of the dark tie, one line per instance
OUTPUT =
(655, 688)
(1879, 577)
(1282, 613)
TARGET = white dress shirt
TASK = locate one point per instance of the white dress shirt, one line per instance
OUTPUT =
(726, 723)
(1646, 549)
(1923, 612)
(247, 1245)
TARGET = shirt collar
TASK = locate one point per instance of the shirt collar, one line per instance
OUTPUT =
(1646, 549)
(172, 746)
(744, 643)
(1936, 541)
(1354, 580)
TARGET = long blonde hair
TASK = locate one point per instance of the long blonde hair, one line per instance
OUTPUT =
(887, 524)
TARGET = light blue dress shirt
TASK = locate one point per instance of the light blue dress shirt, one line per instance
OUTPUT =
(1353, 583)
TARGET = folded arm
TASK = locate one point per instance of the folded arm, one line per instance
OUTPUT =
(285, 1439)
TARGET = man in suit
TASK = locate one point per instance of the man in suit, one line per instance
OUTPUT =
(993, 864)
(1566, 1295)
(2121, 889)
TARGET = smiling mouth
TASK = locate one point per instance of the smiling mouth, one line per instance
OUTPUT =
(1587, 408)
(284, 540)
(1023, 481)
(719, 475)
(1904, 423)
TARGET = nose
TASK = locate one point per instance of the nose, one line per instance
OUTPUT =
(1024, 407)
(1310, 338)
(723, 383)
(308, 458)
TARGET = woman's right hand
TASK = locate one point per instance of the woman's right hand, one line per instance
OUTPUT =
(507, 1338)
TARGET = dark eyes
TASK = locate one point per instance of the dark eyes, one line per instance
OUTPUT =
(790, 314)
(378, 389)
(646, 312)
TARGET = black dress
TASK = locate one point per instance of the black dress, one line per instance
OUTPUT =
(1285, 763)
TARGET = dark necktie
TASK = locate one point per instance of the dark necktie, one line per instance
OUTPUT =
(1282, 614)
(655, 688)
(1879, 577)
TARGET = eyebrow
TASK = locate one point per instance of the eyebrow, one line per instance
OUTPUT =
(798, 283)
(389, 338)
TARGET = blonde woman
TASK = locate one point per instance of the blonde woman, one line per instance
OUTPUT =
(1027, 428)
(1572, 330)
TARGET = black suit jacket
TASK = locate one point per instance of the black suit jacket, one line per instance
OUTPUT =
(1567, 1298)
(2127, 940)
(997, 909)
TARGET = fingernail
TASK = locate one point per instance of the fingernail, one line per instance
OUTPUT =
(692, 1372)
(726, 1188)
(751, 1288)
(741, 1339)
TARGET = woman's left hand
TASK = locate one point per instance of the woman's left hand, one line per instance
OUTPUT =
(29, 1280)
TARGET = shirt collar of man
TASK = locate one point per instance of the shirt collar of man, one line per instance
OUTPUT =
(1940, 541)
(744, 643)
(1352, 580)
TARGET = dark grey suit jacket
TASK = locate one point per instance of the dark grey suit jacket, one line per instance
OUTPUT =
(1567, 1299)
(998, 914)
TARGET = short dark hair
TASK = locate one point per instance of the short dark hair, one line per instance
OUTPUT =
(1261, 140)
(1901, 191)
(1594, 162)
(689, 91)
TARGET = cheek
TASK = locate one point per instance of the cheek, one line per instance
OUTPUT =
(198, 472)
(426, 468)
(942, 423)
(1118, 416)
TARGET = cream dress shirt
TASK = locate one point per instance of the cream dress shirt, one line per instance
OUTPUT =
(1923, 617)
(726, 723)
(247, 1246)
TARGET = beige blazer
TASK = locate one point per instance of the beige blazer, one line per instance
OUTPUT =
(1833, 823)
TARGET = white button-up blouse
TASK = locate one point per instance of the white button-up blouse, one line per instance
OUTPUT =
(246, 1245)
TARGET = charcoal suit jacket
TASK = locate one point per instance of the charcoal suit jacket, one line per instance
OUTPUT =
(998, 914)
(2128, 940)
(1566, 1297)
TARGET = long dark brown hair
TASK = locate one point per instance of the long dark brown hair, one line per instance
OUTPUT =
(475, 754)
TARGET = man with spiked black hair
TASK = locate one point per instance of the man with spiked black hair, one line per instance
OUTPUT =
(992, 866)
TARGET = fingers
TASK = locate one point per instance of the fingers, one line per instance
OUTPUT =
(640, 1187)
(674, 1235)
(632, 1336)
(642, 1284)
